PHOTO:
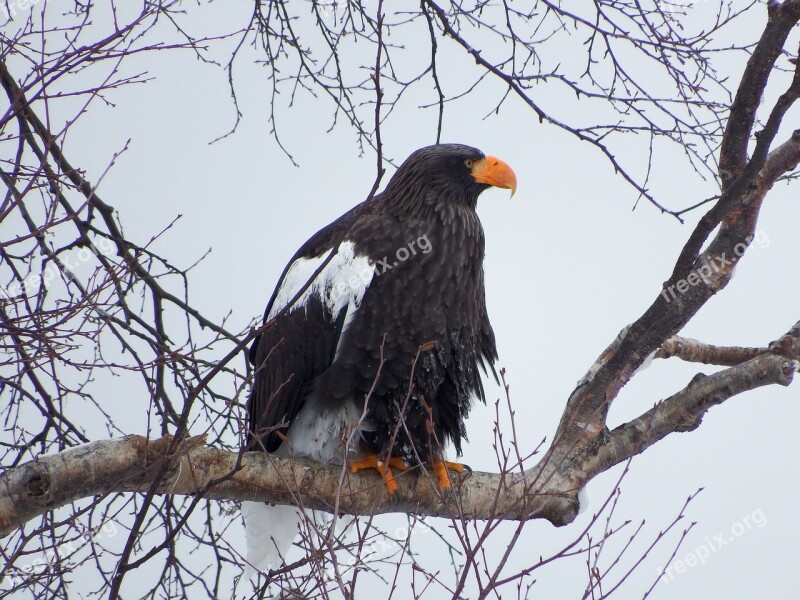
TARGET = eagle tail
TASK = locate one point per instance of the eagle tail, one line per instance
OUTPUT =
(269, 531)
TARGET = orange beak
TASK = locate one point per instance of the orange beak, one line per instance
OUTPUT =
(493, 171)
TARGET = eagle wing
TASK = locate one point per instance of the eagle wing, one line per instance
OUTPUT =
(311, 305)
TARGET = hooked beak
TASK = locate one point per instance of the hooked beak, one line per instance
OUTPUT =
(493, 171)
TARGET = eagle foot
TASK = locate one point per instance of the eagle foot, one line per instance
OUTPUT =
(440, 467)
(384, 467)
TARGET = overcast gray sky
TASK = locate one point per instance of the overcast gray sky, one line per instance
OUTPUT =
(568, 264)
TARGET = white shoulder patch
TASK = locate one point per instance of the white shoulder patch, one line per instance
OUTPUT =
(341, 284)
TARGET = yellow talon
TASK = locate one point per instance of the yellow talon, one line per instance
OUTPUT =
(399, 463)
(373, 461)
(440, 467)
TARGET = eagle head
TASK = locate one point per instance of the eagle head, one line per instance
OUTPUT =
(452, 173)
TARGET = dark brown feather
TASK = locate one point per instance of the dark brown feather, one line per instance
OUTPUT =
(421, 336)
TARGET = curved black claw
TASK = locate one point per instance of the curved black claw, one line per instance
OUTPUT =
(468, 473)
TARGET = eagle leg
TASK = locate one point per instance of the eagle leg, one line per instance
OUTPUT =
(440, 467)
(373, 461)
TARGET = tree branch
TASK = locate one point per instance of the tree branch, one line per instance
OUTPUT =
(549, 490)
(128, 465)
(696, 351)
(733, 151)
(684, 411)
(783, 159)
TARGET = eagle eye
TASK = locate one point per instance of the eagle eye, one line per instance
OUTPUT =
(469, 162)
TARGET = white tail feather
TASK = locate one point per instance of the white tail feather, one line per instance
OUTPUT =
(269, 531)
(316, 433)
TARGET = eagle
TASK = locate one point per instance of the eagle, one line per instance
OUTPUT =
(376, 335)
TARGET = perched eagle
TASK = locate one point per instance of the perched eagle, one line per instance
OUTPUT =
(378, 334)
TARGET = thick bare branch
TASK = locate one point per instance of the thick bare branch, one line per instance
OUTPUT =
(128, 465)
(733, 151)
(582, 436)
(696, 351)
(684, 411)
(697, 275)
(784, 159)
(548, 490)
(742, 185)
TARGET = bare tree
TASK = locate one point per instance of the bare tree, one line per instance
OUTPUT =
(84, 303)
